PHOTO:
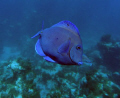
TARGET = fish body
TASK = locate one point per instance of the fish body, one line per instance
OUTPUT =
(60, 43)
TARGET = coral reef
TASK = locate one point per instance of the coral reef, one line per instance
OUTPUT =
(14, 80)
(110, 52)
(99, 85)
(24, 78)
(94, 84)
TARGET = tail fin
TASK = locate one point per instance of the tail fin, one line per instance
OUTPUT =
(37, 34)
(39, 31)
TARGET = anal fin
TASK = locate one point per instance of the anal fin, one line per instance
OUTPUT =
(47, 58)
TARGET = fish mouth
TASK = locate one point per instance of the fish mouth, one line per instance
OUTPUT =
(80, 63)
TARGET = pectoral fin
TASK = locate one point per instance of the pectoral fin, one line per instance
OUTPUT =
(64, 48)
(86, 60)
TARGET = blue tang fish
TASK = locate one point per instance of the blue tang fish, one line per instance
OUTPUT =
(61, 44)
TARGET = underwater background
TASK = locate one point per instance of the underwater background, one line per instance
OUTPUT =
(24, 74)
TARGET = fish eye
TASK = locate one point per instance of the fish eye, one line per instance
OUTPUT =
(78, 47)
(67, 24)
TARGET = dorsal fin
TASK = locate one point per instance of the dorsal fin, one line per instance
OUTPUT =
(67, 25)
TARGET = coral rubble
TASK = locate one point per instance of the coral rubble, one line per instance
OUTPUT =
(21, 79)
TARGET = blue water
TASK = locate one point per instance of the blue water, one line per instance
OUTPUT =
(21, 19)
(93, 18)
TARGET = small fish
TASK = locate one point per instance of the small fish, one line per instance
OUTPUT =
(61, 44)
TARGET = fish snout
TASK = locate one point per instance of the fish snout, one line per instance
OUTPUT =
(80, 63)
